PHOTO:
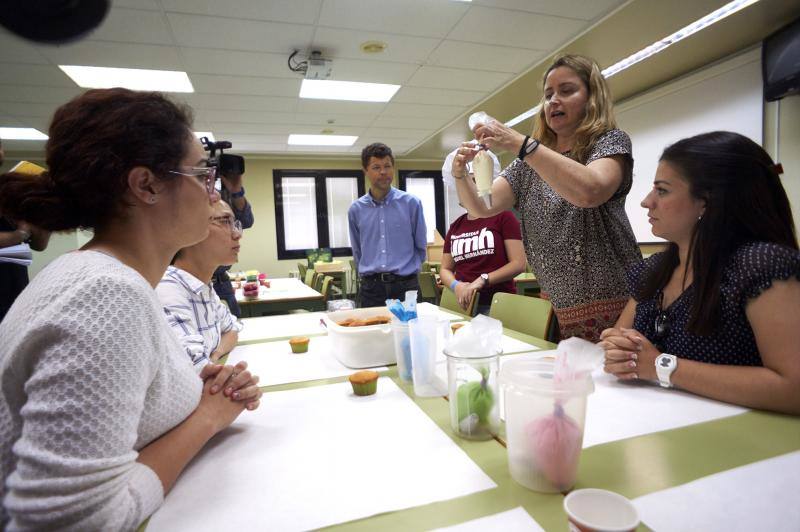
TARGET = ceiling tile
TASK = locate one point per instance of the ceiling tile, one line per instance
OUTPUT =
(409, 122)
(399, 135)
(372, 71)
(214, 84)
(34, 94)
(14, 49)
(325, 107)
(244, 116)
(459, 54)
(47, 75)
(239, 102)
(236, 129)
(419, 110)
(347, 119)
(238, 34)
(302, 12)
(133, 25)
(113, 54)
(228, 62)
(582, 9)
(38, 122)
(436, 96)
(515, 28)
(138, 4)
(339, 43)
(38, 110)
(444, 78)
(424, 18)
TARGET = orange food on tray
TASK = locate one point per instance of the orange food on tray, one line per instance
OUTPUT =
(375, 320)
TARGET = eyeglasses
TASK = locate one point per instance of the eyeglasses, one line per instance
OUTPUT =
(234, 225)
(661, 324)
(205, 174)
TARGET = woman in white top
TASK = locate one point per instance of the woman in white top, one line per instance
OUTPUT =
(100, 408)
(205, 327)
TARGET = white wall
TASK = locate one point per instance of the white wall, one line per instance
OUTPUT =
(724, 96)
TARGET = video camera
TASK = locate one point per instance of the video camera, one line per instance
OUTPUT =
(226, 163)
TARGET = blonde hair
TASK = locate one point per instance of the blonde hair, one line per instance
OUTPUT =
(599, 117)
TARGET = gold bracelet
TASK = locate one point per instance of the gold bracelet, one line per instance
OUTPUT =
(459, 176)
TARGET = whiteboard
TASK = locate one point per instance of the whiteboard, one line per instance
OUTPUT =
(725, 96)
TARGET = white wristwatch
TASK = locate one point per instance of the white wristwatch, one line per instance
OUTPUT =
(665, 365)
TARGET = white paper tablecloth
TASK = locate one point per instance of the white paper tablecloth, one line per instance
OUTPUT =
(314, 457)
(763, 495)
(275, 363)
(514, 520)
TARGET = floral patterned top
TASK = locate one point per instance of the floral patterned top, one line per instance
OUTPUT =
(750, 271)
(579, 255)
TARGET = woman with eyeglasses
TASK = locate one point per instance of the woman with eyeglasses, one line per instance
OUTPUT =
(100, 408)
(717, 313)
(206, 328)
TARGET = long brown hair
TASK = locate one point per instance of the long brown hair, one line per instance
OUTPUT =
(745, 202)
(599, 117)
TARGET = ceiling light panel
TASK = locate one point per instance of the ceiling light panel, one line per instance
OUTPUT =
(130, 78)
(347, 90)
(21, 133)
(321, 140)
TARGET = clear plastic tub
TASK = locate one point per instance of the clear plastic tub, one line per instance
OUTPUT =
(473, 392)
(544, 424)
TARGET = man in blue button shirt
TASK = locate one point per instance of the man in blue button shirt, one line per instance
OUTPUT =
(387, 232)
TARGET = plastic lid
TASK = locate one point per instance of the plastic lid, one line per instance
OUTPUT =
(472, 356)
(536, 376)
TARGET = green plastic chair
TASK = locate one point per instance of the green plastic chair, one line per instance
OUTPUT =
(427, 287)
(528, 315)
(326, 287)
(318, 278)
(355, 283)
(310, 277)
(449, 302)
(302, 268)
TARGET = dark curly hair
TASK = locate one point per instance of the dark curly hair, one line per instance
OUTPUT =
(95, 140)
(377, 150)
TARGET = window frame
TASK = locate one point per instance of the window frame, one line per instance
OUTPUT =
(321, 194)
(438, 192)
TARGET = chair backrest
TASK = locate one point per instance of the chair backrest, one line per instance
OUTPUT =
(528, 315)
(449, 302)
(318, 278)
(326, 286)
(425, 266)
(309, 277)
(301, 268)
(427, 287)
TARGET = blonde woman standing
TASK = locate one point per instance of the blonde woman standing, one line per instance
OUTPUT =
(568, 184)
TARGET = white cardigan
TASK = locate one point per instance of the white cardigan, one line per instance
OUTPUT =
(89, 374)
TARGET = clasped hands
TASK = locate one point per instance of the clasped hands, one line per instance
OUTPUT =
(464, 291)
(628, 354)
(235, 382)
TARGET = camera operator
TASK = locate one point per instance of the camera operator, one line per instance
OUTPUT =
(232, 192)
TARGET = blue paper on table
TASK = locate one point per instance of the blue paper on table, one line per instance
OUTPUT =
(405, 311)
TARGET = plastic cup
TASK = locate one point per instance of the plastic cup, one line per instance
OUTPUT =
(473, 392)
(544, 424)
(594, 510)
(427, 335)
(402, 348)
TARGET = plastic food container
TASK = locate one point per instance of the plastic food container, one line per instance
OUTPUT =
(361, 347)
(544, 424)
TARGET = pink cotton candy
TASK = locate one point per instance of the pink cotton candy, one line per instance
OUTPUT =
(555, 442)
